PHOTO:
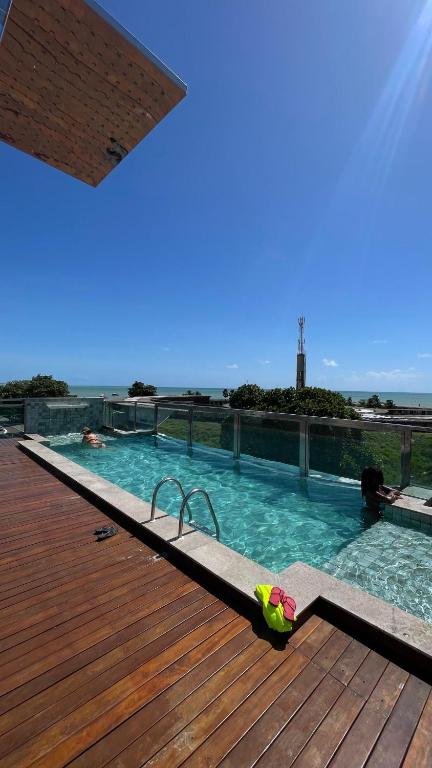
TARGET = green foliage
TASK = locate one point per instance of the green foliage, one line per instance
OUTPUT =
(41, 385)
(190, 392)
(248, 396)
(310, 401)
(139, 389)
(374, 402)
(316, 401)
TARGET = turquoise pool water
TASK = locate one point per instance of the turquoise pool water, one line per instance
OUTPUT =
(272, 516)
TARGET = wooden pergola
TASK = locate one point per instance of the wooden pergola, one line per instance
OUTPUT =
(76, 90)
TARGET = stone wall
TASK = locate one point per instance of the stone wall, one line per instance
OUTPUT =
(62, 415)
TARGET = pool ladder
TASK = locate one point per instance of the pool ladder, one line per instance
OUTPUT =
(184, 506)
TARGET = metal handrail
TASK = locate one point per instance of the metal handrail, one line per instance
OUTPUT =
(209, 504)
(156, 491)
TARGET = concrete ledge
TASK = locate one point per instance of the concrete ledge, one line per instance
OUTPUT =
(305, 583)
(412, 510)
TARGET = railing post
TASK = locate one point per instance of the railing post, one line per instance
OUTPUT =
(237, 434)
(304, 448)
(190, 417)
(135, 416)
(155, 420)
(405, 458)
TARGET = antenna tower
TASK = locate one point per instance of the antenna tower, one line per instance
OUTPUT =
(301, 356)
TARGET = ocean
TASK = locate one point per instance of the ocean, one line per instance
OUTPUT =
(400, 398)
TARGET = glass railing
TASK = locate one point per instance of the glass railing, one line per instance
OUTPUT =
(274, 439)
(213, 430)
(421, 459)
(173, 422)
(11, 416)
(345, 452)
(321, 445)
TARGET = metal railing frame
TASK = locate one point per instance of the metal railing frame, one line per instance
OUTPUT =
(305, 423)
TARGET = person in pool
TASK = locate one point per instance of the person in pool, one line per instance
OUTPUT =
(90, 439)
(374, 492)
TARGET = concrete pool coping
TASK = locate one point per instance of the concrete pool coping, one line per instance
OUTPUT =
(305, 583)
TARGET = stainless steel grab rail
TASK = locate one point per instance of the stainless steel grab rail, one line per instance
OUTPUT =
(185, 504)
(156, 491)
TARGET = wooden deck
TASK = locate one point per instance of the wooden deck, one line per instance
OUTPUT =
(112, 656)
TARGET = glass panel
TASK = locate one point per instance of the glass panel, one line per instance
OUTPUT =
(12, 417)
(173, 423)
(272, 439)
(145, 417)
(346, 452)
(214, 430)
(421, 459)
(122, 417)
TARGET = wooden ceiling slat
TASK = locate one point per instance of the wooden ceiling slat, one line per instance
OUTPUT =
(85, 61)
(90, 48)
(20, 116)
(41, 65)
(75, 91)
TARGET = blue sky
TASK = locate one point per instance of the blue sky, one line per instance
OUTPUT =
(295, 178)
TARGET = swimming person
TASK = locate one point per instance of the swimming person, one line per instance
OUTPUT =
(374, 491)
(89, 438)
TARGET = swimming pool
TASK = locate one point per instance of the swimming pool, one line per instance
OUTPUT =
(269, 514)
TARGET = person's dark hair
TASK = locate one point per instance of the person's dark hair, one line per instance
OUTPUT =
(371, 479)
(86, 431)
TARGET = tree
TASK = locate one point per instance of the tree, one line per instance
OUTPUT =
(374, 402)
(389, 404)
(248, 396)
(139, 389)
(191, 393)
(41, 385)
(310, 401)
(226, 393)
(316, 401)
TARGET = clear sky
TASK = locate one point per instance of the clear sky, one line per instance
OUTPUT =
(295, 178)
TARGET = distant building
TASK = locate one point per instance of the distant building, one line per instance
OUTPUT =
(301, 356)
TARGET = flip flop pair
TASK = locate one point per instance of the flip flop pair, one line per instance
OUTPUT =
(105, 532)
(278, 596)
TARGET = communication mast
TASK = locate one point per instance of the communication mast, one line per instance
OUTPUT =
(301, 356)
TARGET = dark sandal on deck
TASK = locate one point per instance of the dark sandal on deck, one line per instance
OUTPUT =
(106, 532)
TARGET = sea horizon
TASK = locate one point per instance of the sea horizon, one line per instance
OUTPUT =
(110, 390)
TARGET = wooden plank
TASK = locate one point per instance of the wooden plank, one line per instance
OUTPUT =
(186, 610)
(419, 754)
(394, 740)
(285, 749)
(349, 662)
(108, 707)
(132, 730)
(304, 631)
(265, 731)
(322, 746)
(187, 740)
(50, 698)
(227, 735)
(328, 655)
(368, 674)
(359, 742)
(316, 639)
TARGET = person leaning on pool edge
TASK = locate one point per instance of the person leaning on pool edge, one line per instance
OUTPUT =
(374, 491)
(89, 438)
